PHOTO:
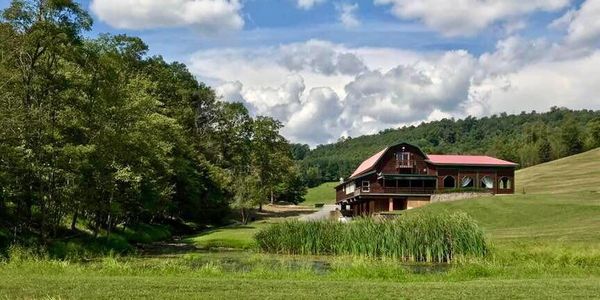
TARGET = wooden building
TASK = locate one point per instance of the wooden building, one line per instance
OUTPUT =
(402, 177)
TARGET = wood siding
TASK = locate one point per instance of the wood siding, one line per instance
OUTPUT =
(380, 194)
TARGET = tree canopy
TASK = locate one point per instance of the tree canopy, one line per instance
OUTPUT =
(97, 132)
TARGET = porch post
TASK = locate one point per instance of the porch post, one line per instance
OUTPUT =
(391, 204)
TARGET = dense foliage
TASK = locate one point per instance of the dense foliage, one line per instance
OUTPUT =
(527, 138)
(97, 134)
(424, 237)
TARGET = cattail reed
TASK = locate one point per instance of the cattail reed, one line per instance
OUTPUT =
(422, 237)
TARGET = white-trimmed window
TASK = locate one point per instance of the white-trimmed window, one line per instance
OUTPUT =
(403, 159)
(350, 187)
(504, 183)
(487, 182)
(467, 182)
(366, 186)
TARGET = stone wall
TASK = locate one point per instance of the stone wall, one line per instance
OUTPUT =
(446, 197)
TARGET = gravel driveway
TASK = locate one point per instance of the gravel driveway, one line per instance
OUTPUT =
(321, 214)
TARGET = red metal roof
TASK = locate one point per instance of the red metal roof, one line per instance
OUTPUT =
(465, 160)
(468, 160)
(369, 163)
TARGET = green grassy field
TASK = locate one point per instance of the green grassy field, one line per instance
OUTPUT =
(549, 218)
(545, 244)
(578, 173)
(237, 236)
(242, 236)
(324, 194)
(91, 286)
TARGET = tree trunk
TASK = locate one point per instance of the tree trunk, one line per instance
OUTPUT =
(2, 206)
(74, 221)
(243, 214)
(272, 198)
(108, 225)
(96, 227)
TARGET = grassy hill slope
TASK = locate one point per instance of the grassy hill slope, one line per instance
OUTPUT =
(577, 173)
(535, 219)
(323, 193)
(561, 206)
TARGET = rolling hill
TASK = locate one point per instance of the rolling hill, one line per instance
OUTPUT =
(559, 210)
(577, 173)
(322, 194)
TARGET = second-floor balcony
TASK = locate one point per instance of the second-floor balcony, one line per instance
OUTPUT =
(409, 190)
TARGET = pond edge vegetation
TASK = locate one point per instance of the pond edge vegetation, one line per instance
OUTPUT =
(426, 237)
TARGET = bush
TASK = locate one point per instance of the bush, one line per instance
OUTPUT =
(144, 233)
(423, 237)
(4, 239)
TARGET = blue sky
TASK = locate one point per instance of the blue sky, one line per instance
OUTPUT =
(332, 68)
(274, 22)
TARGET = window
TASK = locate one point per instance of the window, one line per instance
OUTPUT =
(403, 159)
(403, 183)
(504, 183)
(366, 186)
(449, 182)
(487, 182)
(350, 187)
(467, 182)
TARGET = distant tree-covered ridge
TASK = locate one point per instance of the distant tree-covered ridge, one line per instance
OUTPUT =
(527, 138)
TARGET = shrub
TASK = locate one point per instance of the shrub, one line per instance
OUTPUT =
(144, 233)
(423, 237)
(4, 238)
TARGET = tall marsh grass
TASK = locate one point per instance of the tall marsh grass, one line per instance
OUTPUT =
(423, 237)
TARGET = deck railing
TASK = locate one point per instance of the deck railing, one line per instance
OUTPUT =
(409, 190)
(398, 190)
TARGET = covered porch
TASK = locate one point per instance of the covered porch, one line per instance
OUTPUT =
(362, 206)
(407, 183)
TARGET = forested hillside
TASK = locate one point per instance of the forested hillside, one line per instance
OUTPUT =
(527, 138)
(96, 135)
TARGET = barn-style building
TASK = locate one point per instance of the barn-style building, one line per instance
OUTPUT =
(402, 177)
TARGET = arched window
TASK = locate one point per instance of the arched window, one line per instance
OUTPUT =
(467, 182)
(504, 183)
(449, 182)
(487, 182)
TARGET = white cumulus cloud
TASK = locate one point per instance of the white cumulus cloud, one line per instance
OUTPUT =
(320, 57)
(583, 25)
(318, 120)
(467, 17)
(316, 89)
(205, 15)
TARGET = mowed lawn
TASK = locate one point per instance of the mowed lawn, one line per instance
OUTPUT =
(240, 236)
(577, 173)
(90, 286)
(532, 218)
(235, 236)
(322, 194)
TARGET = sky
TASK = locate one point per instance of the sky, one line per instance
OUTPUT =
(334, 68)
